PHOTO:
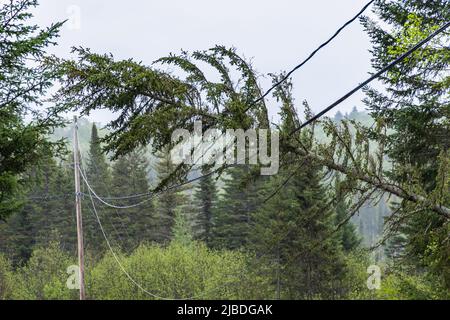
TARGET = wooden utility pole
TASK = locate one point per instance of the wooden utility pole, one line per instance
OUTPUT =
(76, 160)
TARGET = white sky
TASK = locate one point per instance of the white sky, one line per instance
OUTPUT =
(276, 35)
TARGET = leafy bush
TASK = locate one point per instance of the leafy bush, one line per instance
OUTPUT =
(176, 272)
(187, 270)
(402, 286)
(5, 278)
(355, 281)
(44, 277)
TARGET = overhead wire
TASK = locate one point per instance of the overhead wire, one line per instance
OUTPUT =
(289, 74)
(373, 77)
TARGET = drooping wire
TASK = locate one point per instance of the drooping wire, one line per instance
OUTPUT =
(110, 246)
(91, 190)
(116, 258)
(323, 112)
(94, 165)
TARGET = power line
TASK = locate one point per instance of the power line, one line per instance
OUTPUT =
(151, 195)
(345, 97)
(287, 76)
(373, 77)
(109, 244)
(141, 195)
(49, 197)
(95, 167)
(91, 190)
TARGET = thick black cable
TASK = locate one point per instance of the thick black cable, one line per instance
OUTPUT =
(289, 74)
(373, 77)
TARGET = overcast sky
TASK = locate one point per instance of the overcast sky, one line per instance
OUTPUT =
(276, 35)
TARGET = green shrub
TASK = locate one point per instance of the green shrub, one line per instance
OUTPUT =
(402, 286)
(44, 277)
(355, 281)
(181, 270)
(176, 272)
(5, 278)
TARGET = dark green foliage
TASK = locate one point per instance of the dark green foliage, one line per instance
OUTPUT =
(17, 236)
(415, 106)
(295, 229)
(232, 219)
(206, 202)
(99, 176)
(130, 177)
(97, 168)
(22, 85)
(168, 202)
(394, 248)
(347, 232)
(48, 214)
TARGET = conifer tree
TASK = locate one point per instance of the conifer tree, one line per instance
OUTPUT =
(97, 167)
(99, 177)
(55, 220)
(233, 217)
(206, 203)
(130, 177)
(182, 231)
(348, 237)
(415, 108)
(168, 202)
(22, 85)
(18, 235)
(48, 212)
(295, 229)
(347, 232)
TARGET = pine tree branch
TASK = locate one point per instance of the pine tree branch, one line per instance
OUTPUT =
(381, 184)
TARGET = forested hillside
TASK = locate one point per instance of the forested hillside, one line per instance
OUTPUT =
(368, 221)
